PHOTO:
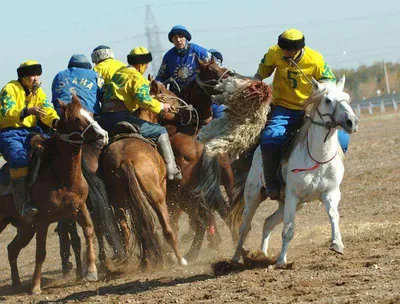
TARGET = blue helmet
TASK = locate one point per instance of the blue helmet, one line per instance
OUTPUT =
(216, 54)
(179, 30)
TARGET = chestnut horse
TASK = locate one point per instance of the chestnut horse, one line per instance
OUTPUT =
(135, 177)
(199, 192)
(60, 191)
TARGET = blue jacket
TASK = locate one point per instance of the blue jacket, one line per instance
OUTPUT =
(85, 83)
(182, 68)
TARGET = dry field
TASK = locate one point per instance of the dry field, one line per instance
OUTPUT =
(369, 272)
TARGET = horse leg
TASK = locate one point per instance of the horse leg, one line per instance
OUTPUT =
(331, 202)
(253, 200)
(120, 214)
(200, 221)
(62, 231)
(290, 207)
(102, 252)
(41, 236)
(271, 222)
(76, 246)
(85, 222)
(21, 240)
(158, 203)
(213, 235)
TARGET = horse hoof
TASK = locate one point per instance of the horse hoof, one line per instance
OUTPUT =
(235, 260)
(91, 276)
(36, 290)
(285, 266)
(337, 248)
(183, 262)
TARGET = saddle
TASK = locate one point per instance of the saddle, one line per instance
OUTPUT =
(125, 129)
(34, 165)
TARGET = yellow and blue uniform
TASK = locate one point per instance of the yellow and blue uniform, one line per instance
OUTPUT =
(107, 68)
(129, 87)
(16, 126)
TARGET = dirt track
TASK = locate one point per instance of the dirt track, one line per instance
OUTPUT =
(369, 272)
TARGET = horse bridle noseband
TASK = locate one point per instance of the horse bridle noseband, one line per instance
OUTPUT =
(332, 124)
(76, 143)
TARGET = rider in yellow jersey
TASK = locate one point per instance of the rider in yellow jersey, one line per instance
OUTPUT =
(290, 89)
(22, 104)
(105, 64)
(128, 91)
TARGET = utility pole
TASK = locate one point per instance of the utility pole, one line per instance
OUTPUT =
(386, 78)
(153, 40)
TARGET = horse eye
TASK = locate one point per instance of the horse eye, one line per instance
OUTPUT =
(328, 101)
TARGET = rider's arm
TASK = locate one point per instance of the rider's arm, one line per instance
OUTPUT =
(47, 107)
(162, 74)
(266, 66)
(143, 98)
(323, 71)
(11, 113)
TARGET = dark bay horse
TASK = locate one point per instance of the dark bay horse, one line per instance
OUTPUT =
(135, 176)
(199, 191)
(60, 191)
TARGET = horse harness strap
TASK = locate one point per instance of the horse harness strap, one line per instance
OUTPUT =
(79, 142)
(317, 163)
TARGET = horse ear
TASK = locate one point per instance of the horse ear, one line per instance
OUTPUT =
(154, 87)
(150, 78)
(340, 84)
(75, 99)
(315, 84)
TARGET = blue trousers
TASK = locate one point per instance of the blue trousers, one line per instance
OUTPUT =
(15, 145)
(283, 120)
(108, 121)
(217, 110)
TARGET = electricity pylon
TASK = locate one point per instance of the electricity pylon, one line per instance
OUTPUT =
(153, 40)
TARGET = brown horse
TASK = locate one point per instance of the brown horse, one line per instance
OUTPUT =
(199, 191)
(60, 191)
(135, 176)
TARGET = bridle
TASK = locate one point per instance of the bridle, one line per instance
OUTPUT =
(332, 123)
(203, 84)
(76, 143)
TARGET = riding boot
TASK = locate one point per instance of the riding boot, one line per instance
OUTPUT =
(173, 171)
(21, 198)
(271, 161)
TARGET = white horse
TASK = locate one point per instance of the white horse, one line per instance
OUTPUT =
(313, 171)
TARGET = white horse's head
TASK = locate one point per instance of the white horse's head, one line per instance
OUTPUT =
(334, 107)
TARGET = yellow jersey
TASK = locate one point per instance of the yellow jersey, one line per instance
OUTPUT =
(290, 87)
(129, 86)
(13, 100)
(107, 68)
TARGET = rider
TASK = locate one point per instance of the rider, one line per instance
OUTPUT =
(22, 104)
(217, 55)
(290, 89)
(128, 91)
(79, 79)
(180, 63)
(217, 109)
(105, 64)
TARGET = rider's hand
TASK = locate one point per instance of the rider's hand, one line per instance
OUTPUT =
(167, 107)
(37, 111)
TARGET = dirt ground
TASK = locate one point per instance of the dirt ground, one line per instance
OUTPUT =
(369, 272)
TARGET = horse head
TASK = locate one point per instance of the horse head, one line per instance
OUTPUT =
(161, 93)
(77, 125)
(209, 75)
(332, 105)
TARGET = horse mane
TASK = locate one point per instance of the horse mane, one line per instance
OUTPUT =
(310, 107)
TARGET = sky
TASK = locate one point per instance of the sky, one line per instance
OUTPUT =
(347, 33)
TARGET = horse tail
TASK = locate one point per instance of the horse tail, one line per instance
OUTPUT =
(103, 217)
(142, 219)
(209, 184)
(235, 211)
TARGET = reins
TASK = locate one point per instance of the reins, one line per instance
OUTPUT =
(75, 143)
